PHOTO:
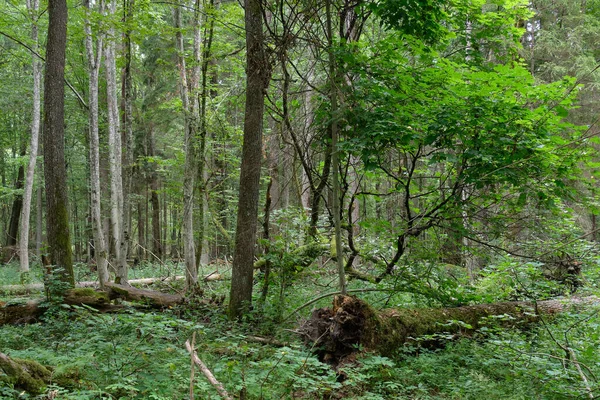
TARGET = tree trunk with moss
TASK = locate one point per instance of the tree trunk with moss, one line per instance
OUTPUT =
(352, 324)
(59, 240)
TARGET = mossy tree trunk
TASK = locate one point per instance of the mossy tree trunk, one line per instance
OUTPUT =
(59, 240)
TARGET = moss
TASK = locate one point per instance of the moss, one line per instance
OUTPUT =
(28, 375)
(88, 296)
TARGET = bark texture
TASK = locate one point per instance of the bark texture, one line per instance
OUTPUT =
(36, 65)
(94, 60)
(257, 75)
(55, 172)
(115, 153)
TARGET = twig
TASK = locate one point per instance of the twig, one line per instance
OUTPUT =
(204, 369)
(581, 373)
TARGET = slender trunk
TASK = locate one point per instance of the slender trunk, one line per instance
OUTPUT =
(190, 109)
(257, 76)
(94, 61)
(115, 153)
(203, 250)
(32, 7)
(335, 161)
(141, 230)
(127, 132)
(59, 240)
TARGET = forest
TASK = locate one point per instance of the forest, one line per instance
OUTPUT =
(299, 199)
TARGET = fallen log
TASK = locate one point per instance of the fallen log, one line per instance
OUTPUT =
(339, 331)
(32, 287)
(27, 375)
(28, 311)
(150, 297)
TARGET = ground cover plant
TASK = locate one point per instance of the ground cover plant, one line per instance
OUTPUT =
(136, 355)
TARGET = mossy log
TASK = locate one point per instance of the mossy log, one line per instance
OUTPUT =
(32, 287)
(351, 323)
(23, 312)
(149, 297)
(27, 375)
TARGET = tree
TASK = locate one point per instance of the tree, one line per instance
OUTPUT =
(94, 62)
(115, 154)
(257, 76)
(33, 7)
(55, 172)
(191, 113)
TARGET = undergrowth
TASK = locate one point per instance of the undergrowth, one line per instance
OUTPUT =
(142, 355)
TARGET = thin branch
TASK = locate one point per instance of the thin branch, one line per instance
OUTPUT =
(35, 53)
(204, 369)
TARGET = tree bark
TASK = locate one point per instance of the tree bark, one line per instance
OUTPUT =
(59, 240)
(33, 8)
(191, 110)
(115, 153)
(127, 132)
(257, 76)
(17, 206)
(94, 61)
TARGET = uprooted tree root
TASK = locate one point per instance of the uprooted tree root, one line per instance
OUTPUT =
(337, 332)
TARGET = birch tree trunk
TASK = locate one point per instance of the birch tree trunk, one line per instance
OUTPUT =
(190, 109)
(94, 60)
(32, 7)
(115, 152)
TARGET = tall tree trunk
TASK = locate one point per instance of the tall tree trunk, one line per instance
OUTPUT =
(55, 172)
(115, 153)
(190, 109)
(257, 76)
(335, 159)
(203, 250)
(127, 132)
(94, 61)
(33, 8)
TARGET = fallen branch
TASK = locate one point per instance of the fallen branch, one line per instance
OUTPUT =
(209, 376)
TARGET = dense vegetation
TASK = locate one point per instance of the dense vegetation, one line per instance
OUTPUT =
(415, 153)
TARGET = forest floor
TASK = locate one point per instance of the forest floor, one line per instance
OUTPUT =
(141, 354)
